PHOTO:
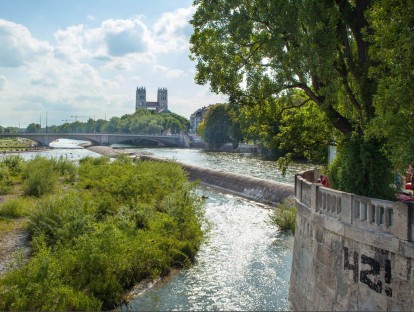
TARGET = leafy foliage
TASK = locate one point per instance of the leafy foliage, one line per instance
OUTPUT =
(217, 124)
(123, 221)
(142, 121)
(284, 216)
(39, 176)
(392, 49)
(259, 52)
(15, 208)
(359, 161)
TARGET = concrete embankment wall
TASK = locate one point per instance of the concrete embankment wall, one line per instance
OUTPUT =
(350, 252)
(260, 190)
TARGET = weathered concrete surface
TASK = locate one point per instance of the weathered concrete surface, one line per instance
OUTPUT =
(264, 191)
(346, 259)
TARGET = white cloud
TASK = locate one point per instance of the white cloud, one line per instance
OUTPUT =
(172, 30)
(3, 82)
(117, 38)
(168, 72)
(94, 71)
(70, 44)
(90, 17)
(18, 47)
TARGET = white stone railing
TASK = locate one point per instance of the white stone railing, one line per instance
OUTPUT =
(372, 214)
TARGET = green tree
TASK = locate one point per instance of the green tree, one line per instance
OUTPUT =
(256, 51)
(201, 129)
(393, 49)
(33, 128)
(217, 125)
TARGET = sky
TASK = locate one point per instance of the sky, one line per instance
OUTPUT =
(67, 60)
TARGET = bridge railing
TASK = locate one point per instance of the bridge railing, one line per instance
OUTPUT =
(388, 217)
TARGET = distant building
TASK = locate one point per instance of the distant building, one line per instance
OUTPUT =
(160, 106)
(196, 118)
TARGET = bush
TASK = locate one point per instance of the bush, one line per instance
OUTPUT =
(15, 208)
(284, 216)
(360, 166)
(61, 218)
(5, 181)
(125, 222)
(15, 163)
(39, 177)
(39, 285)
(65, 168)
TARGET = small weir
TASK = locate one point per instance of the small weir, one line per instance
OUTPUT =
(260, 190)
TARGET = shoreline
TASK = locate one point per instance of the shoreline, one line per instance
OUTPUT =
(106, 150)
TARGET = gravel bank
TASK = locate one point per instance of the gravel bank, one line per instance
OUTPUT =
(105, 150)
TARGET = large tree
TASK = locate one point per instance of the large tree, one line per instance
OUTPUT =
(257, 50)
(393, 50)
(217, 125)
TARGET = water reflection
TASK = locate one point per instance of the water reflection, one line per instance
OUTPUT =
(244, 265)
(246, 164)
(66, 148)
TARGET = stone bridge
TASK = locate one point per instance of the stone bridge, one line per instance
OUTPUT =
(45, 139)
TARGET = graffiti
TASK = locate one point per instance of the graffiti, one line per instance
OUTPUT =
(366, 275)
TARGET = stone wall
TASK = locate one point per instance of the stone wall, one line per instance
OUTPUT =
(350, 252)
(265, 191)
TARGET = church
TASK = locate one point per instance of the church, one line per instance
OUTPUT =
(160, 106)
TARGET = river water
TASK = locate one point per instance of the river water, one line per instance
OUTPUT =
(243, 265)
(246, 164)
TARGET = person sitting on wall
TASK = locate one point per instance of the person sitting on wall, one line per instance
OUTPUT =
(325, 182)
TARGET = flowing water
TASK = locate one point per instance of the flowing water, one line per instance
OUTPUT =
(246, 164)
(243, 266)
(245, 261)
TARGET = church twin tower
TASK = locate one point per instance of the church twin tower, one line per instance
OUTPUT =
(160, 105)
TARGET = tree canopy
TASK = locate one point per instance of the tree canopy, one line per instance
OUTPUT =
(142, 121)
(258, 51)
(216, 125)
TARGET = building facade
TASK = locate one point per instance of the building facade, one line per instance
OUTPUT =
(196, 118)
(159, 106)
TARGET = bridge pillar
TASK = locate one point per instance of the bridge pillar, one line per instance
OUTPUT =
(45, 140)
(104, 139)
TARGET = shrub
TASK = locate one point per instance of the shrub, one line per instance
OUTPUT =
(5, 181)
(130, 221)
(66, 168)
(15, 208)
(61, 218)
(15, 163)
(360, 166)
(47, 289)
(39, 177)
(284, 216)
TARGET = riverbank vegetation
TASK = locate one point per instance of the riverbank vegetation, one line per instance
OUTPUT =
(15, 144)
(284, 216)
(143, 121)
(312, 73)
(96, 230)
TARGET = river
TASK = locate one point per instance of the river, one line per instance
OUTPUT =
(243, 265)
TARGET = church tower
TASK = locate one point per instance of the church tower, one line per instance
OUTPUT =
(162, 98)
(141, 98)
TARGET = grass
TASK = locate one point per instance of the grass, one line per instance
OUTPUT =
(284, 216)
(15, 208)
(15, 144)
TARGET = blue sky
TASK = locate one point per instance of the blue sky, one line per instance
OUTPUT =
(64, 58)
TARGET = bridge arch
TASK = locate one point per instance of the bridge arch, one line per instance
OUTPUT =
(45, 139)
